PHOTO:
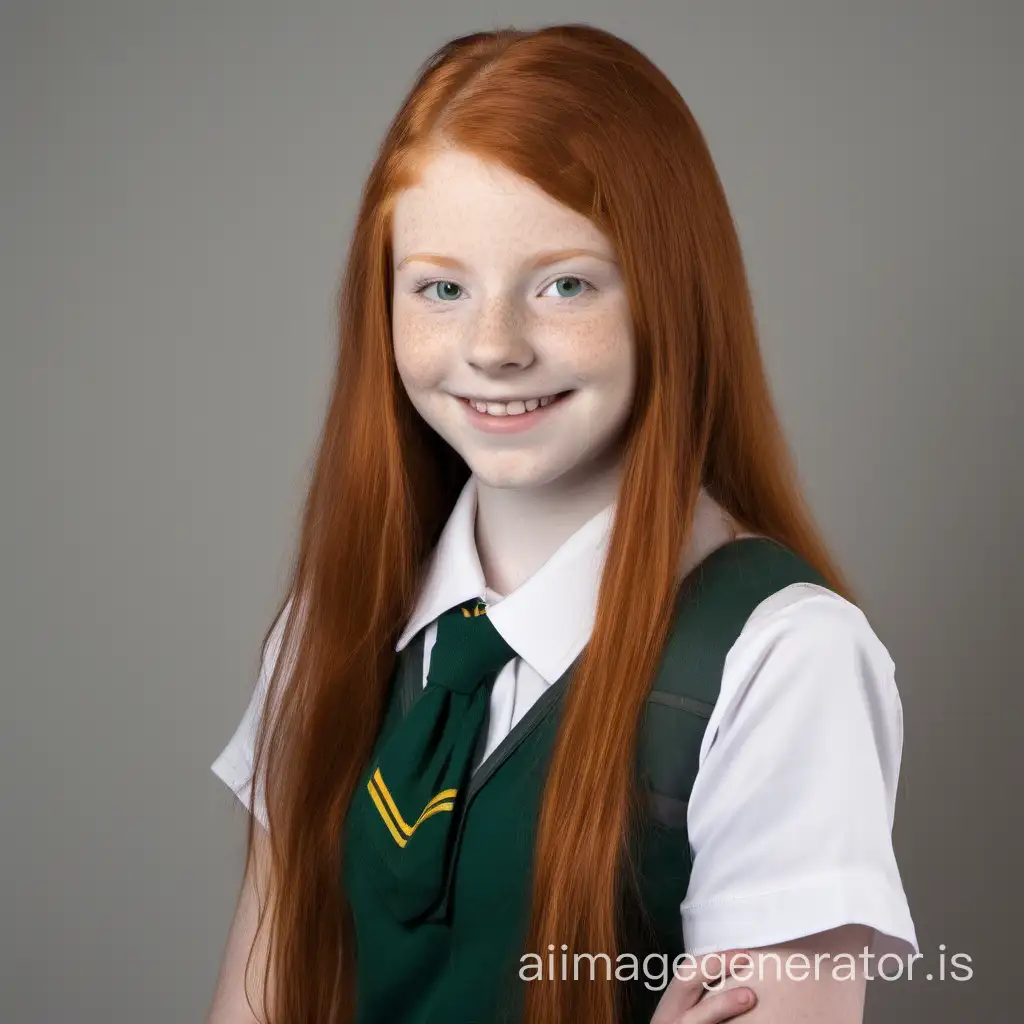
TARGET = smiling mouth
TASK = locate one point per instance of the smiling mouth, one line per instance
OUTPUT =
(516, 407)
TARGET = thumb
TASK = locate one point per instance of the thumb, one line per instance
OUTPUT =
(691, 979)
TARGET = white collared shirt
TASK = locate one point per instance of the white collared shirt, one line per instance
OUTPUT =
(790, 816)
(546, 620)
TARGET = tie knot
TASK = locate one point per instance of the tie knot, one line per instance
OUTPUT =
(468, 648)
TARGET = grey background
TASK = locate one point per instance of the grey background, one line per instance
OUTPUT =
(178, 184)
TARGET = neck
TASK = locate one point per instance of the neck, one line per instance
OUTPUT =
(519, 529)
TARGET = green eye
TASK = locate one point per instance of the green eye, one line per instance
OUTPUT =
(569, 287)
(445, 290)
(573, 283)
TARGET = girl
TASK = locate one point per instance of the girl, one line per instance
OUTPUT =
(564, 668)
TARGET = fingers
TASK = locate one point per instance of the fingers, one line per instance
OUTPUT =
(719, 1006)
(714, 968)
(692, 979)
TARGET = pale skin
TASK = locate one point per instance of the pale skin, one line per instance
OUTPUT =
(229, 1000)
(527, 300)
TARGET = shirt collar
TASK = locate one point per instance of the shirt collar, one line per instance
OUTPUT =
(547, 619)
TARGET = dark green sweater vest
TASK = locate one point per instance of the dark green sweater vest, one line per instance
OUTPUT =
(464, 968)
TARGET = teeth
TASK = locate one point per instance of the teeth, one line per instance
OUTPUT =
(510, 408)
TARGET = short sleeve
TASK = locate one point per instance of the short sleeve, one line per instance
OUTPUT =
(234, 764)
(790, 817)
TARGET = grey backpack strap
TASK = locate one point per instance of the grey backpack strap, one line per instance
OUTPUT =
(714, 603)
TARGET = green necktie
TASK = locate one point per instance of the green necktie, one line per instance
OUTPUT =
(413, 800)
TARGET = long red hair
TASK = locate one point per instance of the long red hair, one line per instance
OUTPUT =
(597, 126)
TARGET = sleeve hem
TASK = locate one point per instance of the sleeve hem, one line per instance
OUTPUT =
(238, 779)
(783, 915)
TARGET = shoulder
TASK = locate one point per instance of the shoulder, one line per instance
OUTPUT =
(270, 655)
(808, 623)
(271, 651)
(807, 617)
(806, 658)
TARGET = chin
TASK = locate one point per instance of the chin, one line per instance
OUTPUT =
(504, 481)
(512, 477)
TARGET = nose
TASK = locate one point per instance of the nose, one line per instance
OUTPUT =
(496, 339)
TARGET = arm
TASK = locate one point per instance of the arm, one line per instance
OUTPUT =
(230, 1005)
(795, 994)
(234, 766)
(791, 813)
(783, 995)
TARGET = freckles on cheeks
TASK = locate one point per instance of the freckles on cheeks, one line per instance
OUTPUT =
(586, 345)
(593, 347)
(420, 359)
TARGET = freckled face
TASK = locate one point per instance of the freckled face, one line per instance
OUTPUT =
(502, 293)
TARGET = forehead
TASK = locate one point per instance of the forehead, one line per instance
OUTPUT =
(463, 203)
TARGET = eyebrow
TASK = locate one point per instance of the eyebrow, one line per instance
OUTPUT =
(542, 259)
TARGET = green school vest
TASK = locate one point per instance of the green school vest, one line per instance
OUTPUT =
(464, 968)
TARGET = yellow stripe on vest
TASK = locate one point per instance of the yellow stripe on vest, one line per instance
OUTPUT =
(388, 810)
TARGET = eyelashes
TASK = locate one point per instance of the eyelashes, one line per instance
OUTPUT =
(421, 286)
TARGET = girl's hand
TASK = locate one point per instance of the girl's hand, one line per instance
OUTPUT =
(687, 1001)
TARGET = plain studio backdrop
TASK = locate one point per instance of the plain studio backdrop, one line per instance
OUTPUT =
(178, 185)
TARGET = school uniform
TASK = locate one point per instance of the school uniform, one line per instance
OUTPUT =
(784, 826)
